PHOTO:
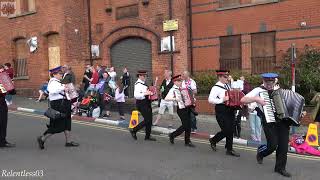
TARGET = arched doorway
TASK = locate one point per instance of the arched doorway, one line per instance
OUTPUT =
(135, 54)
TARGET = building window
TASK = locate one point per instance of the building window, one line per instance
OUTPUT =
(20, 62)
(236, 3)
(127, 11)
(99, 28)
(263, 47)
(24, 7)
(230, 52)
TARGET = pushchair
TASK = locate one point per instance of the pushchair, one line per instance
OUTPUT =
(88, 103)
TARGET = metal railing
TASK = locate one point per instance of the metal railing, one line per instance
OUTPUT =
(231, 64)
(20, 66)
(263, 64)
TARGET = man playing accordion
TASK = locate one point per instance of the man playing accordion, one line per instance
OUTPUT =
(276, 131)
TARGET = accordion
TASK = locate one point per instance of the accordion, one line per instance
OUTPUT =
(154, 91)
(5, 83)
(234, 98)
(284, 105)
(187, 97)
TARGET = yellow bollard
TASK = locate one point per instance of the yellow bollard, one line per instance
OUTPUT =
(134, 121)
(312, 135)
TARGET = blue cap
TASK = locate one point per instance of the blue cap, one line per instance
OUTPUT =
(56, 69)
(269, 75)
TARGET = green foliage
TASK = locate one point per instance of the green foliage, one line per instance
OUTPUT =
(307, 72)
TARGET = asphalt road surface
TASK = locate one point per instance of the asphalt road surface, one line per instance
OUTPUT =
(109, 153)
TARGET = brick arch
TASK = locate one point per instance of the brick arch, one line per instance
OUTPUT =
(126, 32)
(48, 33)
(16, 38)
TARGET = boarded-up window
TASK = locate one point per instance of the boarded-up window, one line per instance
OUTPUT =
(20, 62)
(263, 57)
(99, 28)
(25, 6)
(127, 11)
(230, 52)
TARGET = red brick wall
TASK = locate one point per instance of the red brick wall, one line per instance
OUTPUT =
(149, 19)
(283, 17)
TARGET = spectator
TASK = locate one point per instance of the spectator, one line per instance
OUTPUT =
(100, 71)
(255, 123)
(112, 74)
(126, 81)
(165, 87)
(68, 76)
(119, 98)
(43, 91)
(316, 112)
(104, 95)
(9, 70)
(87, 77)
(191, 84)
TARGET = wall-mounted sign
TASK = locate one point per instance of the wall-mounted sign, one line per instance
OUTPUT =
(170, 25)
(166, 45)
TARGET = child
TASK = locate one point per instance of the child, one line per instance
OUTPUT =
(119, 98)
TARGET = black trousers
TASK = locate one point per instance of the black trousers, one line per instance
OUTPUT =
(226, 120)
(237, 126)
(3, 120)
(277, 135)
(120, 108)
(184, 115)
(144, 107)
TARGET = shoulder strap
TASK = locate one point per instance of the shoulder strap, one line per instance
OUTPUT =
(220, 87)
(140, 83)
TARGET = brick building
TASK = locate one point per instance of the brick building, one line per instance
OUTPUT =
(238, 34)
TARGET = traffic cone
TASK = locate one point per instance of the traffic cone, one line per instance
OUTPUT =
(134, 121)
(312, 135)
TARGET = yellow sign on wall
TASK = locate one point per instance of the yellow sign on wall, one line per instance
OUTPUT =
(170, 25)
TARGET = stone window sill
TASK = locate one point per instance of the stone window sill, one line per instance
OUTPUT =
(246, 5)
(22, 14)
(21, 78)
(168, 52)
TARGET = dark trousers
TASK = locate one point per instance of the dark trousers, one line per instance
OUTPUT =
(277, 135)
(184, 115)
(104, 105)
(225, 117)
(126, 91)
(144, 107)
(193, 120)
(3, 120)
(237, 126)
(120, 108)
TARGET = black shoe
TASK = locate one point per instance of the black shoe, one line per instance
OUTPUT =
(283, 173)
(40, 142)
(7, 145)
(171, 138)
(133, 134)
(233, 153)
(189, 145)
(72, 144)
(213, 145)
(259, 159)
(150, 139)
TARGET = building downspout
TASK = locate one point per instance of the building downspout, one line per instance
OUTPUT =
(90, 32)
(171, 34)
(191, 37)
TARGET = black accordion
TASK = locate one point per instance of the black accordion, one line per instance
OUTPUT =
(284, 105)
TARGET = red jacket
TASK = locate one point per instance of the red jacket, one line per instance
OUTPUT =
(10, 72)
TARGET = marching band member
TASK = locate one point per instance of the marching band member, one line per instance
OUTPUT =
(277, 133)
(59, 103)
(224, 114)
(182, 111)
(3, 118)
(141, 94)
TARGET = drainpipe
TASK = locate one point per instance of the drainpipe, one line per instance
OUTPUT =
(90, 32)
(171, 34)
(190, 36)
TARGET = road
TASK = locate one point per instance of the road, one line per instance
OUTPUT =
(109, 153)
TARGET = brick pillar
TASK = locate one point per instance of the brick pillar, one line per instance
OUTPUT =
(246, 53)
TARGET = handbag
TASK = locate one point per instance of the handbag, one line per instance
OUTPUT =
(54, 114)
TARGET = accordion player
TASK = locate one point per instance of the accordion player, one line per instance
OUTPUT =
(283, 104)
(187, 97)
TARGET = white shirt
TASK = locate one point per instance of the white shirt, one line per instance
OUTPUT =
(256, 92)
(113, 75)
(174, 93)
(217, 93)
(192, 86)
(139, 90)
(119, 97)
(55, 89)
(237, 84)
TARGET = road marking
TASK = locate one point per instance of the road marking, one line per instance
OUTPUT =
(200, 141)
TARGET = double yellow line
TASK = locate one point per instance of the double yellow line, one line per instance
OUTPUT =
(200, 141)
